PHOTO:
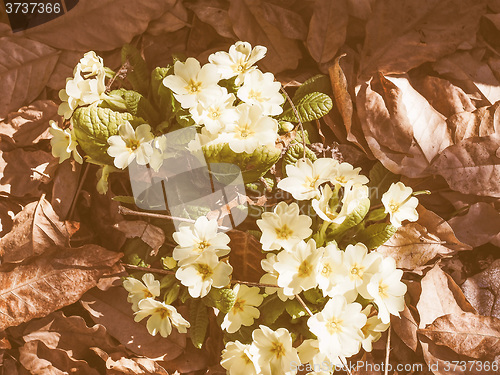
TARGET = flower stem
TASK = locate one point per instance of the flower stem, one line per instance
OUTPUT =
(296, 113)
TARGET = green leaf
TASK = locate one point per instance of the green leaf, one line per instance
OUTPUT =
(271, 309)
(222, 299)
(172, 294)
(134, 103)
(135, 251)
(294, 153)
(377, 215)
(353, 219)
(198, 316)
(315, 296)
(376, 234)
(252, 165)
(381, 178)
(137, 74)
(311, 107)
(295, 309)
(318, 83)
(124, 199)
(167, 281)
(94, 125)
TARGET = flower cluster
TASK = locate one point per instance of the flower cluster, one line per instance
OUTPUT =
(161, 315)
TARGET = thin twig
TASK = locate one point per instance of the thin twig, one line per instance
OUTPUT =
(127, 211)
(251, 283)
(387, 351)
(123, 69)
(40, 173)
(78, 189)
(294, 109)
(301, 301)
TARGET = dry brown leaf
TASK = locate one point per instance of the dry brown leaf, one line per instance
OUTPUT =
(441, 360)
(35, 229)
(68, 333)
(149, 233)
(214, 13)
(415, 244)
(246, 253)
(402, 129)
(54, 280)
(474, 76)
(64, 68)
(483, 290)
(249, 24)
(402, 34)
(117, 363)
(360, 8)
(175, 19)
(190, 361)
(477, 227)
(39, 359)
(8, 209)
(16, 171)
(467, 334)
(111, 309)
(445, 97)
(25, 69)
(479, 123)
(287, 21)
(327, 29)
(29, 124)
(66, 181)
(471, 166)
(406, 328)
(440, 296)
(99, 31)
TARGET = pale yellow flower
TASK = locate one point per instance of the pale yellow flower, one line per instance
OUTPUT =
(63, 143)
(400, 204)
(137, 290)
(162, 318)
(244, 311)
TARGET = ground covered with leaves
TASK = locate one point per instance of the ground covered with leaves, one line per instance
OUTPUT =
(415, 88)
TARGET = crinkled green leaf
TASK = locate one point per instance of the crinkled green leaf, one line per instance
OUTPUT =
(353, 219)
(271, 309)
(376, 234)
(311, 107)
(318, 83)
(252, 165)
(296, 152)
(137, 74)
(295, 309)
(221, 299)
(198, 318)
(94, 125)
(315, 296)
(136, 104)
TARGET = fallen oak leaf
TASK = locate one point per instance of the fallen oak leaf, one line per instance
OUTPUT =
(118, 363)
(35, 229)
(247, 251)
(479, 123)
(467, 334)
(51, 281)
(214, 13)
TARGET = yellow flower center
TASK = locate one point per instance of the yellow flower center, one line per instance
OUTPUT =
(394, 206)
(244, 131)
(334, 326)
(257, 95)
(245, 357)
(311, 182)
(146, 293)
(341, 179)
(193, 87)
(277, 349)
(305, 269)
(382, 290)
(214, 114)
(357, 271)
(238, 305)
(164, 313)
(326, 271)
(202, 246)
(284, 232)
(133, 144)
(204, 270)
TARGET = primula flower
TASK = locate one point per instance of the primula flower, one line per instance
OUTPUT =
(325, 206)
(63, 143)
(244, 310)
(131, 144)
(387, 290)
(203, 273)
(273, 352)
(163, 317)
(399, 203)
(90, 64)
(237, 360)
(215, 111)
(338, 328)
(314, 359)
(305, 177)
(331, 270)
(190, 81)
(197, 238)
(137, 291)
(359, 266)
(251, 130)
(372, 330)
(345, 173)
(160, 152)
(354, 196)
(239, 61)
(260, 89)
(283, 228)
(297, 268)
(271, 277)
